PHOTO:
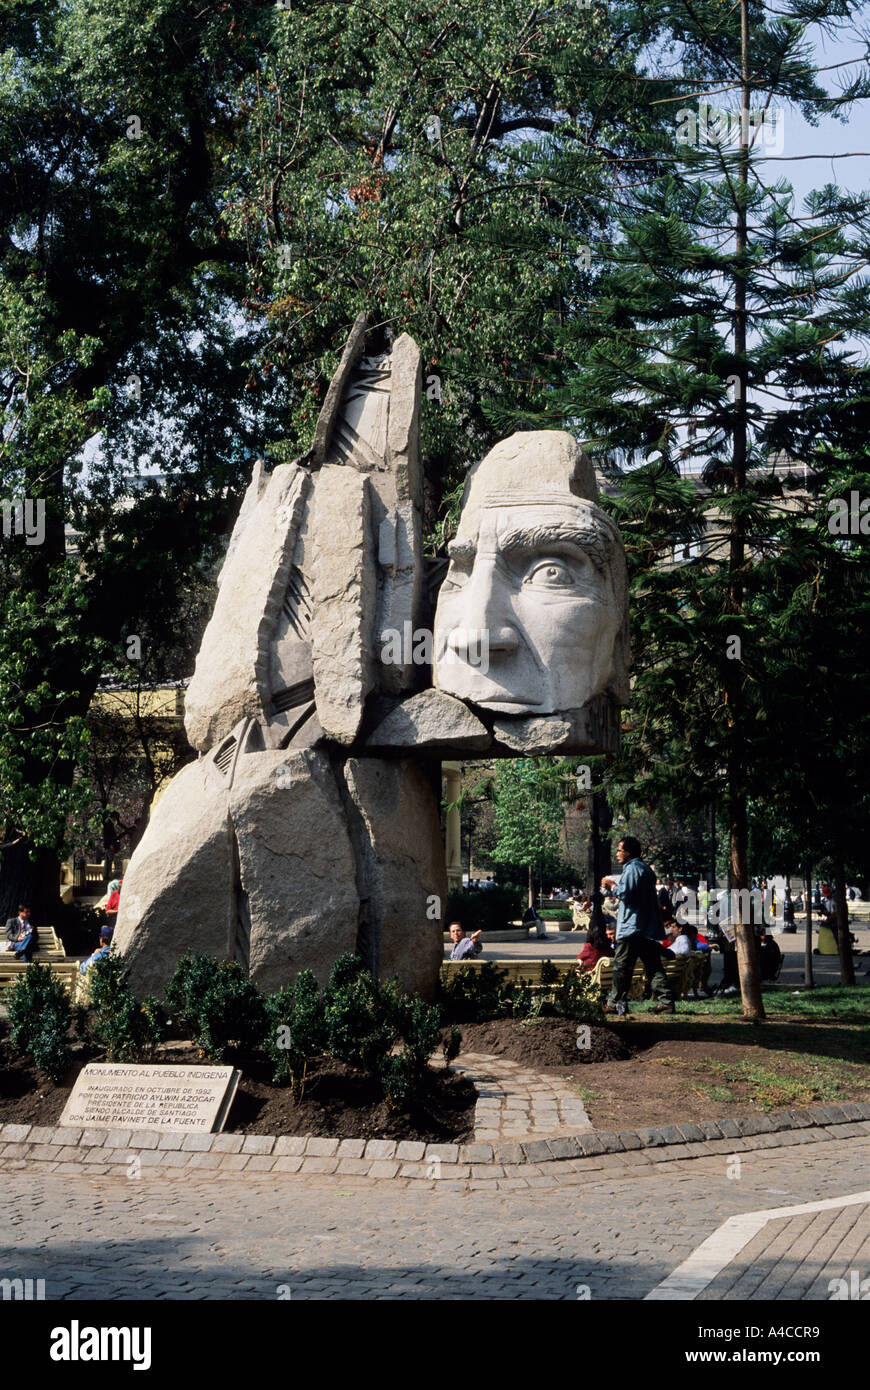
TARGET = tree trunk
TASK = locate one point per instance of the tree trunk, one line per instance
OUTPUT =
(531, 887)
(844, 941)
(34, 883)
(747, 950)
(809, 981)
(737, 767)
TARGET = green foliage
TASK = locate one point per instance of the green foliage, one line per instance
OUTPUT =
(550, 973)
(576, 997)
(452, 1045)
(471, 994)
(359, 1026)
(475, 995)
(39, 1019)
(365, 1021)
(489, 909)
(296, 1029)
(115, 1020)
(218, 1003)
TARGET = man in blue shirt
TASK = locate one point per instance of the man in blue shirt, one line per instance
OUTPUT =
(638, 930)
(464, 946)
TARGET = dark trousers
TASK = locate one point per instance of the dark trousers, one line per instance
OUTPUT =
(629, 950)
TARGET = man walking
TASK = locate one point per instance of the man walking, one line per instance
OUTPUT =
(638, 930)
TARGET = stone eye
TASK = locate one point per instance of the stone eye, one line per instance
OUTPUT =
(552, 573)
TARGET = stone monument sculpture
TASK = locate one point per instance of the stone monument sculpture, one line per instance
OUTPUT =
(333, 677)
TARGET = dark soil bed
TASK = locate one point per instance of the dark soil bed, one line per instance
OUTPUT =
(542, 1043)
(337, 1103)
(665, 1074)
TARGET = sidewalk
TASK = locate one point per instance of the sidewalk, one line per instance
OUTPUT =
(815, 1251)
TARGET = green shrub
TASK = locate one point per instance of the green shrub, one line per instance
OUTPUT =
(577, 997)
(114, 1019)
(193, 977)
(478, 994)
(218, 1004)
(419, 1026)
(452, 1045)
(364, 1021)
(39, 1019)
(487, 909)
(555, 914)
(475, 994)
(296, 1029)
(550, 973)
(359, 1028)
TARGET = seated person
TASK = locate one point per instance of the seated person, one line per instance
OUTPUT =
(769, 958)
(25, 943)
(15, 927)
(101, 952)
(597, 945)
(701, 944)
(534, 922)
(111, 907)
(676, 942)
(464, 946)
(580, 913)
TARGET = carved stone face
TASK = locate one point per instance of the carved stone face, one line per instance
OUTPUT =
(539, 571)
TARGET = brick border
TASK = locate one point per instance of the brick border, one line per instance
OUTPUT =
(103, 1151)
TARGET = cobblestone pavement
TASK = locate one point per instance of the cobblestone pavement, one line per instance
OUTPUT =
(612, 1232)
(517, 1104)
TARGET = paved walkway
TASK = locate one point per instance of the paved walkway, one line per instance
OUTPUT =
(607, 1233)
(517, 1104)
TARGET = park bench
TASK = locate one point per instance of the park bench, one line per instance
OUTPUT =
(683, 974)
(529, 971)
(49, 951)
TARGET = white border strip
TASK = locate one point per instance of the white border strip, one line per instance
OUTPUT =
(712, 1255)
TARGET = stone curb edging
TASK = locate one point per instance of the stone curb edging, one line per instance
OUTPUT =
(388, 1158)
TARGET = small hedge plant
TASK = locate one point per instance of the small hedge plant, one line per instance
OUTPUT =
(485, 909)
(114, 1019)
(218, 1004)
(295, 1031)
(374, 1027)
(358, 1021)
(40, 1015)
(479, 995)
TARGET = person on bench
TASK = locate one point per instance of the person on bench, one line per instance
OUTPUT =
(464, 946)
(101, 952)
(597, 945)
(24, 938)
(15, 927)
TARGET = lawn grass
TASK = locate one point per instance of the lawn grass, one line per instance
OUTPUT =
(840, 1003)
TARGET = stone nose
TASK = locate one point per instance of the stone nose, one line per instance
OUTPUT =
(485, 615)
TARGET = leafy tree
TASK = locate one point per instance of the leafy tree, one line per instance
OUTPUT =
(528, 815)
(196, 204)
(718, 335)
